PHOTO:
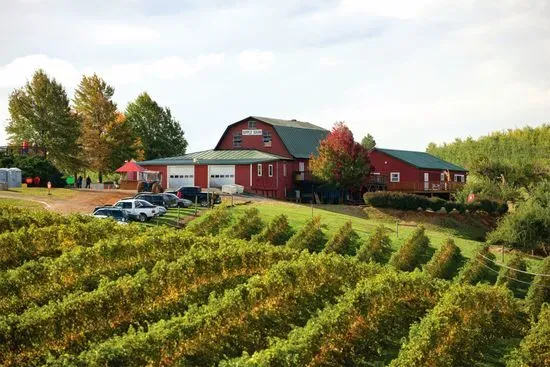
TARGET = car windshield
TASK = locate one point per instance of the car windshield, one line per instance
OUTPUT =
(145, 204)
(100, 212)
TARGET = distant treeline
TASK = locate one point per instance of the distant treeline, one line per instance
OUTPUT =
(508, 159)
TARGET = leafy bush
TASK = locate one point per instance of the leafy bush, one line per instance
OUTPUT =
(534, 349)
(459, 329)
(478, 269)
(344, 242)
(211, 223)
(513, 279)
(414, 252)
(277, 232)
(377, 248)
(404, 201)
(445, 261)
(249, 224)
(528, 227)
(310, 236)
(539, 291)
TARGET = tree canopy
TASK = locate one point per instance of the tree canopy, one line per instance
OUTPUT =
(107, 137)
(40, 115)
(368, 142)
(160, 134)
(341, 161)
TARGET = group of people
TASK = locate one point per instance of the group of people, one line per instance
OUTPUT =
(79, 182)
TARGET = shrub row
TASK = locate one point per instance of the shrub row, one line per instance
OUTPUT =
(404, 201)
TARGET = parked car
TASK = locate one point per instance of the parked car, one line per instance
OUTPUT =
(192, 192)
(180, 202)
(138, 209)
(158, 199)
(118, 214)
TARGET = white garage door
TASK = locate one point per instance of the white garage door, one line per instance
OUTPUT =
(179, 176)
(222, 175)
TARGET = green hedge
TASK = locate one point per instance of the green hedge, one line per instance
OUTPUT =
(404, 201)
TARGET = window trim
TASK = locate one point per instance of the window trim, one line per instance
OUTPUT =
(251, 125)
(398, 176)
(463, 177)
(270, 170)
(442, 176)
(237, 140)
(259, 170)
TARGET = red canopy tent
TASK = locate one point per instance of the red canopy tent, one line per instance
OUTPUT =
(130, 172)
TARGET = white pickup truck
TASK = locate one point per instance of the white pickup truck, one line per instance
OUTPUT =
(138, 209)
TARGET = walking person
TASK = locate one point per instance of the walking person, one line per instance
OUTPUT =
(88, 182)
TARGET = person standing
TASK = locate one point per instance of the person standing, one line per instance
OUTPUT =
(79, 182)
(88, 182)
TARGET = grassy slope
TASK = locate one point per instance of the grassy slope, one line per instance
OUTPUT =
(334, 216)
(20, 203)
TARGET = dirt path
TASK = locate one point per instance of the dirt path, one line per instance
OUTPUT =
(80, 201)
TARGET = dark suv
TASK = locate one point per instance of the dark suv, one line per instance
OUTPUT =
(158, 199)
(195, 193)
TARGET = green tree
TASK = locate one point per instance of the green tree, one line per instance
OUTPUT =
(377, 248)
(106, 137)
(344, 242)
(368, 142)
(341, 161)
(539, 291)
(159, 132)
(40, 114)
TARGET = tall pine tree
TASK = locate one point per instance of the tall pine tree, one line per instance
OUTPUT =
(159, 132)
(40, 115)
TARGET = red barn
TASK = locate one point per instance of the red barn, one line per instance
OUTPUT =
(415, 172)
(267, 156)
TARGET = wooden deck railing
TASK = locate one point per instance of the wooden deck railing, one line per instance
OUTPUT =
(431, 186)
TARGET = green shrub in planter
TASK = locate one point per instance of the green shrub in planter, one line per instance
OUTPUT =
(414, 252)
(377, 248)
(344, 242)
(445, 262)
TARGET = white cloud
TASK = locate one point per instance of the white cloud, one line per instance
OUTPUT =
(165, 68)
(21, 69)
(329, 62)
(256, 60)
(114, 34)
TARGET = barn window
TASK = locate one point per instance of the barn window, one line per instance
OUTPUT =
(459, 178)
(270, 170)
(251, 125)
(259, 170)
(442, 176)
(395, 177)
(237, 140)
(267, 138)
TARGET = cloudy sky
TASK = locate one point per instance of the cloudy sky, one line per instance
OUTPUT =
(408, 72)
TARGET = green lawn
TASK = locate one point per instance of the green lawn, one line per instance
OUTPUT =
(334, 216)
(43, 192)
(20, 203)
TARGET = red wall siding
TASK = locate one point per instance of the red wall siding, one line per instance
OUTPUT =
(201, 175)
(256, 141)
(384, 164)
(162, 170)
(242, 175)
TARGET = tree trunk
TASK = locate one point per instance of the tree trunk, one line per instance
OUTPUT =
(100, 176)
(75, 180)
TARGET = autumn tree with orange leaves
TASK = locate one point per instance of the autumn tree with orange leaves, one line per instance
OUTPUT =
(341, 160)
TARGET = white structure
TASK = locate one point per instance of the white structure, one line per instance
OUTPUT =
(4, 175)
(14, 178)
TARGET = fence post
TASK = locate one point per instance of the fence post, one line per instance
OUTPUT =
(397, 228)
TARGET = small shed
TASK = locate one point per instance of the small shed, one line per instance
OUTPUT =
(130, 175)
(14, 177)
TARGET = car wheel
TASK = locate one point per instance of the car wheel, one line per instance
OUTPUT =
(204, 203)
(142, 218)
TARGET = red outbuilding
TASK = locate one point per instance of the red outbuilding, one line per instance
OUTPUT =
(414, 172)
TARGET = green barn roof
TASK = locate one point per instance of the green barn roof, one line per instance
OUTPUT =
(421, 159)
(299, 137)
(216, 157)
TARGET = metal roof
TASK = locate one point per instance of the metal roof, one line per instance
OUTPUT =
(421, 159)
(299, 137)
(217, 157)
